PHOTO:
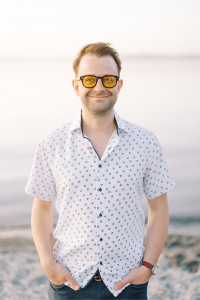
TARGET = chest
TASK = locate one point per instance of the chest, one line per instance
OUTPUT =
(78, 166)
(99, 144)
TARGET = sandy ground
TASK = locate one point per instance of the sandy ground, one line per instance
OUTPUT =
(22, 277)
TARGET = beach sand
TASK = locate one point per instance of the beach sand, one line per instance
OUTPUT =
(22, 278)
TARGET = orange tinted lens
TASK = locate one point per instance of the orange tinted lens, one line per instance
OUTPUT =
(109, 81)
(89, 81)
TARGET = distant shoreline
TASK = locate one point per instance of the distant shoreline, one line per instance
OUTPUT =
(123, 57)
(183, 226)
(179, 220)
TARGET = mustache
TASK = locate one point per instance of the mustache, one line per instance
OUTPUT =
(90, 93)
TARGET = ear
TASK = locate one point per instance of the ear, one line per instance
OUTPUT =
(75, 85)
(119, 85)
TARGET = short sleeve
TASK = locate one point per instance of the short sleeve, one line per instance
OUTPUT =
(41, 183)
(157, 179)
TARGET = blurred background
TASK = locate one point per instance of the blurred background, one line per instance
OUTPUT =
(159, 45)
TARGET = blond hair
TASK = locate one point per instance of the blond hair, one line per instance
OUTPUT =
(99, 49)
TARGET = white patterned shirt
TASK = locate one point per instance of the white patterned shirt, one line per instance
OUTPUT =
(101, 221)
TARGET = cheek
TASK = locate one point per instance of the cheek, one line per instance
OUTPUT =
(81, 91)
(115, 92)
(86, 92)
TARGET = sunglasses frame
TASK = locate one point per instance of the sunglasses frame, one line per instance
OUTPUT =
(97, 77)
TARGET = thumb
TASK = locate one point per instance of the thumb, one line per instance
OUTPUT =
(68, 277)
(121, 283)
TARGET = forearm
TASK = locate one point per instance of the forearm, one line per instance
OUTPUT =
(157, 230)
(42, 229)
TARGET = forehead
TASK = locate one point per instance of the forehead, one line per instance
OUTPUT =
(99, 66)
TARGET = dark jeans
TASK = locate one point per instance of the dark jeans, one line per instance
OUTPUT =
(96, 290)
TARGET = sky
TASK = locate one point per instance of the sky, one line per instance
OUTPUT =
(59, 28)
(160, 95)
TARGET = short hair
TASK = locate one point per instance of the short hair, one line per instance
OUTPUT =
(99, 49)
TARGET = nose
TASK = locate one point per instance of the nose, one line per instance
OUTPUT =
(99, 86)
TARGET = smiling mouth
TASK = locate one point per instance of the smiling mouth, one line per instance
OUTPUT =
(100, 97)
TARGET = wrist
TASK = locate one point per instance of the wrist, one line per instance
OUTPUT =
(145, 270)
(47, 262)
(150, 260)
(152, 268)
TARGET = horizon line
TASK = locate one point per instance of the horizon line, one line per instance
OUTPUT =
(135, 56)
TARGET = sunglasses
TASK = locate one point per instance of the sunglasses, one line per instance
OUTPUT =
(90, 81)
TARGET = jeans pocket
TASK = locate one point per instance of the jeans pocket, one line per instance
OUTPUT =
(142, 285)
(55, 286)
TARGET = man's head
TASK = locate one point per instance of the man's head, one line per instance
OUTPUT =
(98, 59)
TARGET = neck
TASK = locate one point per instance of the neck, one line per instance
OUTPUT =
(98, 124)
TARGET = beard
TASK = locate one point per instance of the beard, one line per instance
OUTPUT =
(99, 106)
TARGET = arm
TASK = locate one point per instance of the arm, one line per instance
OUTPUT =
(157, 229)
(42, 229)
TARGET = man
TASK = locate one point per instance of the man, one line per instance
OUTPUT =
(98, 166)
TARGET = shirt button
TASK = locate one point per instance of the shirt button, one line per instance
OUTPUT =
(101, 263)
(100, 166)
(101, 239)
(100, 215)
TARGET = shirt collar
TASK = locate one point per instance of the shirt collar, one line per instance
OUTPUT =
(120, 123)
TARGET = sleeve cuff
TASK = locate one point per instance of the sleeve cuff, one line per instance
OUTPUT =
(40, 195)
(159, 192)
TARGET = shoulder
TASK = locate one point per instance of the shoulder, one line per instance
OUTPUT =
(56, 135)
(139, 132)
(139, 137)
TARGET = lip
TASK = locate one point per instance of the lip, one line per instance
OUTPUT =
(99, 97)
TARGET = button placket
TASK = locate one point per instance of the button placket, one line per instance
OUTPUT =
(99, 178)
(99, 210)
(91, 148)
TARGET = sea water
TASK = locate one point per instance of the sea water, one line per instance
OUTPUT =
(160, 95)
